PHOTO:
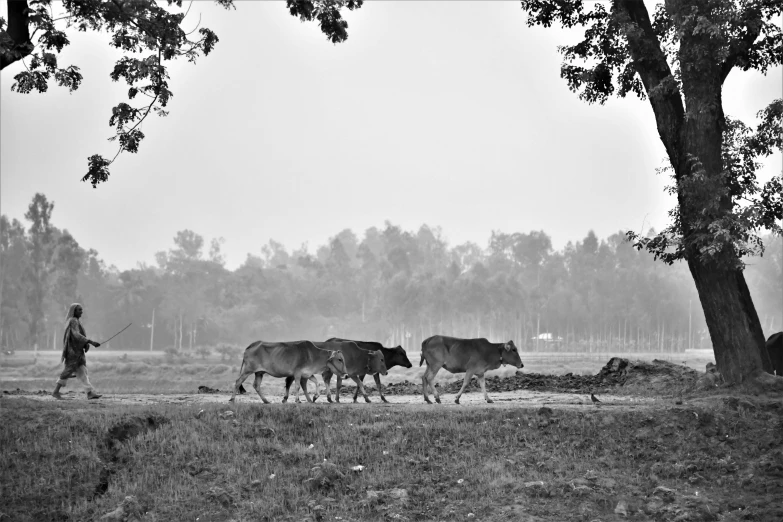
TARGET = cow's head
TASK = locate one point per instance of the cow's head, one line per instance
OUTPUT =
(336, 363)
(376, 363)
(397, 357)
(510, 355)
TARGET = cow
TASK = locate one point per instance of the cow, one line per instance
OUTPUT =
(391, 356)
(472, 356)
(299, 360)
(775, 351)
(357, 362)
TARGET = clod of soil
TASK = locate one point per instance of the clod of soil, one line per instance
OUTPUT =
(325, 476)
(127, 429)
(19, 391)
(130, 428)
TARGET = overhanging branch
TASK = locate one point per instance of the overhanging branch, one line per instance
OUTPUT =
(739, 49)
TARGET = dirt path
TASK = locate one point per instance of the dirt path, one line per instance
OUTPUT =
(510, 399)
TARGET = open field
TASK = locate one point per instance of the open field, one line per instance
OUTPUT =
(154, 372)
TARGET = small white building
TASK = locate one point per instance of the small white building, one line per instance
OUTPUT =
(547, 338)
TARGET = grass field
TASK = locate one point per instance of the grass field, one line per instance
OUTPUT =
(708, 459)
(659, 455)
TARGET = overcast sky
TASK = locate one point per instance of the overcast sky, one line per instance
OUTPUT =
(451, 114)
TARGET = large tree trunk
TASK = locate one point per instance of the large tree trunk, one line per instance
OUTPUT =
(17, 34)
(693, 141)
(731, 318)
(734, 326)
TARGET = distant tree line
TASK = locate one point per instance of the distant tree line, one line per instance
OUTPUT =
(391, 285)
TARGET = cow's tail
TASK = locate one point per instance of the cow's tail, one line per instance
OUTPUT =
(241, 369)
(423, 344)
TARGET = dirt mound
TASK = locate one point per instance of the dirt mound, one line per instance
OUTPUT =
(402, 388)
(660, 376)
(132, 427)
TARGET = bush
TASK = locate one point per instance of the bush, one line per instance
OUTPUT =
(228, 351)
(191, 369)
(171, 352)
(220, 368)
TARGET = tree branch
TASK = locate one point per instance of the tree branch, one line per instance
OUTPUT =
(15, 42)
(650, 63)
(739, 50)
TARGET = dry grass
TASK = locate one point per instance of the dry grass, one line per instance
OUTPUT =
(278, 462)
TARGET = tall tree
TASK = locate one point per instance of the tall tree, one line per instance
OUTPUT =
(679, 60)
(15, 261)
(39, 214)
(147, 32)
(67, 262)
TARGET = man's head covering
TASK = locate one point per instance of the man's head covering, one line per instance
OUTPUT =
(71, 312)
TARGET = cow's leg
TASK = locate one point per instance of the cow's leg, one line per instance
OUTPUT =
(360, 386)
(257, 386)
(303, 384)
(288, 381)
(295, 382)
(468, 375)
(426, 380)
(303, 380)
(356, 391)
(337, 388)
(484, 388)
(377, 378)
(242, 376)
(327, 376)
(312, 378)
(424, 387)
(315, 381)
(431, 381)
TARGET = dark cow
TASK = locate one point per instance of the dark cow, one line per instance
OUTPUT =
(391, 356)
(775, 351)
(299, 360)
(472, 356)
(357, 362)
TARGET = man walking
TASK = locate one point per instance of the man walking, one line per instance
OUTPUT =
(75, 345)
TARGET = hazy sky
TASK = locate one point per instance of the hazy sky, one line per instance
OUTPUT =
(451, 114)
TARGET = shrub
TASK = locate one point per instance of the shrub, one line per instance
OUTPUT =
(191, 369)
(227, 351)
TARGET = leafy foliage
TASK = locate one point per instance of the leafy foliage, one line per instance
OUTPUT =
(148, 32)
(754, 208)
(669, 58)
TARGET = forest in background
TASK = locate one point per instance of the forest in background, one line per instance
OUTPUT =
(390, 285)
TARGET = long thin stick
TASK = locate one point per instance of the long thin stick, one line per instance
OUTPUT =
(115, 335)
